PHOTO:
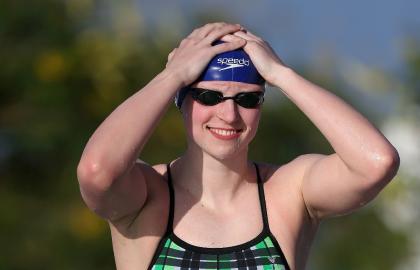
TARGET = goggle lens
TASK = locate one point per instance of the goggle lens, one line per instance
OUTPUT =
(244, 99)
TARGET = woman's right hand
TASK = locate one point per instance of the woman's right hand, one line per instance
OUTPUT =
(188, 61)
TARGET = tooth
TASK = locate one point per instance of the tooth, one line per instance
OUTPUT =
(224, 132)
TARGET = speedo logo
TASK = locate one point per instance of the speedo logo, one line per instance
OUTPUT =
(232, 62)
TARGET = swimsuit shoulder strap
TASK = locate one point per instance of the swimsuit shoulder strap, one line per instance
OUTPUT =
(262, 199)
(171, 201)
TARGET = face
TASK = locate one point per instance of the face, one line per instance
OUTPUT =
(225, 129)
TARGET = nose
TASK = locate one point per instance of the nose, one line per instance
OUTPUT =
(228, 111)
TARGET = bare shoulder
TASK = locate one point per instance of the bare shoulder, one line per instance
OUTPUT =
(285, 180)
(283, 189)
(291, 170)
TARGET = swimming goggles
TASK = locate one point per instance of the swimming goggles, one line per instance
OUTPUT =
(211, 97)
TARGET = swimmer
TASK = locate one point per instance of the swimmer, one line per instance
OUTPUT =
(212, 207)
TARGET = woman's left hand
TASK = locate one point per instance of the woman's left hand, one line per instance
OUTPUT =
(262, 55)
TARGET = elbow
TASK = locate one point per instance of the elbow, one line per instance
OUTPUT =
(92, 176)
(384, 167)
(390, 163)
(93, 185)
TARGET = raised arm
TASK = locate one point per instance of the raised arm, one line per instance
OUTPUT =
(364, 161)
(112, 181)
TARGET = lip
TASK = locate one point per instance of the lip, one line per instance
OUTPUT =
(225, 137)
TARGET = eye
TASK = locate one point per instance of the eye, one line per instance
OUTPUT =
(210, 97)
(248, 100)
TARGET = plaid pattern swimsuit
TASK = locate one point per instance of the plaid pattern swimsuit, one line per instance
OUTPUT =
(261, 253)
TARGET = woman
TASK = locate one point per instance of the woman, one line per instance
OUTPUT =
(212, 207)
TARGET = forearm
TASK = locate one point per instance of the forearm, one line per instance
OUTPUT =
(115, 145)
(356, 141)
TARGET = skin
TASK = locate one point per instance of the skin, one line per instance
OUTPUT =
(214, 181)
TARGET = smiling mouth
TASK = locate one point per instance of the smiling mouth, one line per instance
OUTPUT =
(224, 131)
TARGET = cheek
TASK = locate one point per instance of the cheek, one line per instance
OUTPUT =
(251, 120)
(200, 113)
(195, 117)
(251, 117)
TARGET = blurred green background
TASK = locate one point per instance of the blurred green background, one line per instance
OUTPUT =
(65, 65)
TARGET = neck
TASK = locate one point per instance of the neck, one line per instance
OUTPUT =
(211, 181)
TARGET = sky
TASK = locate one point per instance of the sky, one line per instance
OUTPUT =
(368, 32)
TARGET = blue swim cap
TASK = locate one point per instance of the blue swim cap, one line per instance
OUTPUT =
(233, 65)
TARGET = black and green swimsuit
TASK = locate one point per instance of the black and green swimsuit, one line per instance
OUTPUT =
(261, 253)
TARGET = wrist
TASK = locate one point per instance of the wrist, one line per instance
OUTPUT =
(172, 77)
(281, 75)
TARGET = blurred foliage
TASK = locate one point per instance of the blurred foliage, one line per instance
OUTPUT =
(412, 56)
(65, 66)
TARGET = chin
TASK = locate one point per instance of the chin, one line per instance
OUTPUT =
(222, 156)
(224, 153)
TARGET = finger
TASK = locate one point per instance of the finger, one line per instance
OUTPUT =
(221, 31)
(171, 54)
(188, 41)
(199, 34)
(243, 35)
(183, 42)
(202, 31)
(228, 46)
(206, 29)
(254, 36)
(230, 38)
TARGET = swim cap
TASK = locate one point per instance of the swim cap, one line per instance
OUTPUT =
(233, 65)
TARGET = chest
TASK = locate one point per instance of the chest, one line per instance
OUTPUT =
(234, 225)
(221, 226)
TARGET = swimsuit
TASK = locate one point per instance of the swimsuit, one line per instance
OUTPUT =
(263, 252)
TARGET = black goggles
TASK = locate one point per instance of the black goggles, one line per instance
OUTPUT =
(211, 97)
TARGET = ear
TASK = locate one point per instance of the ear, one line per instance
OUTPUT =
(183, 110)
(185, 104)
